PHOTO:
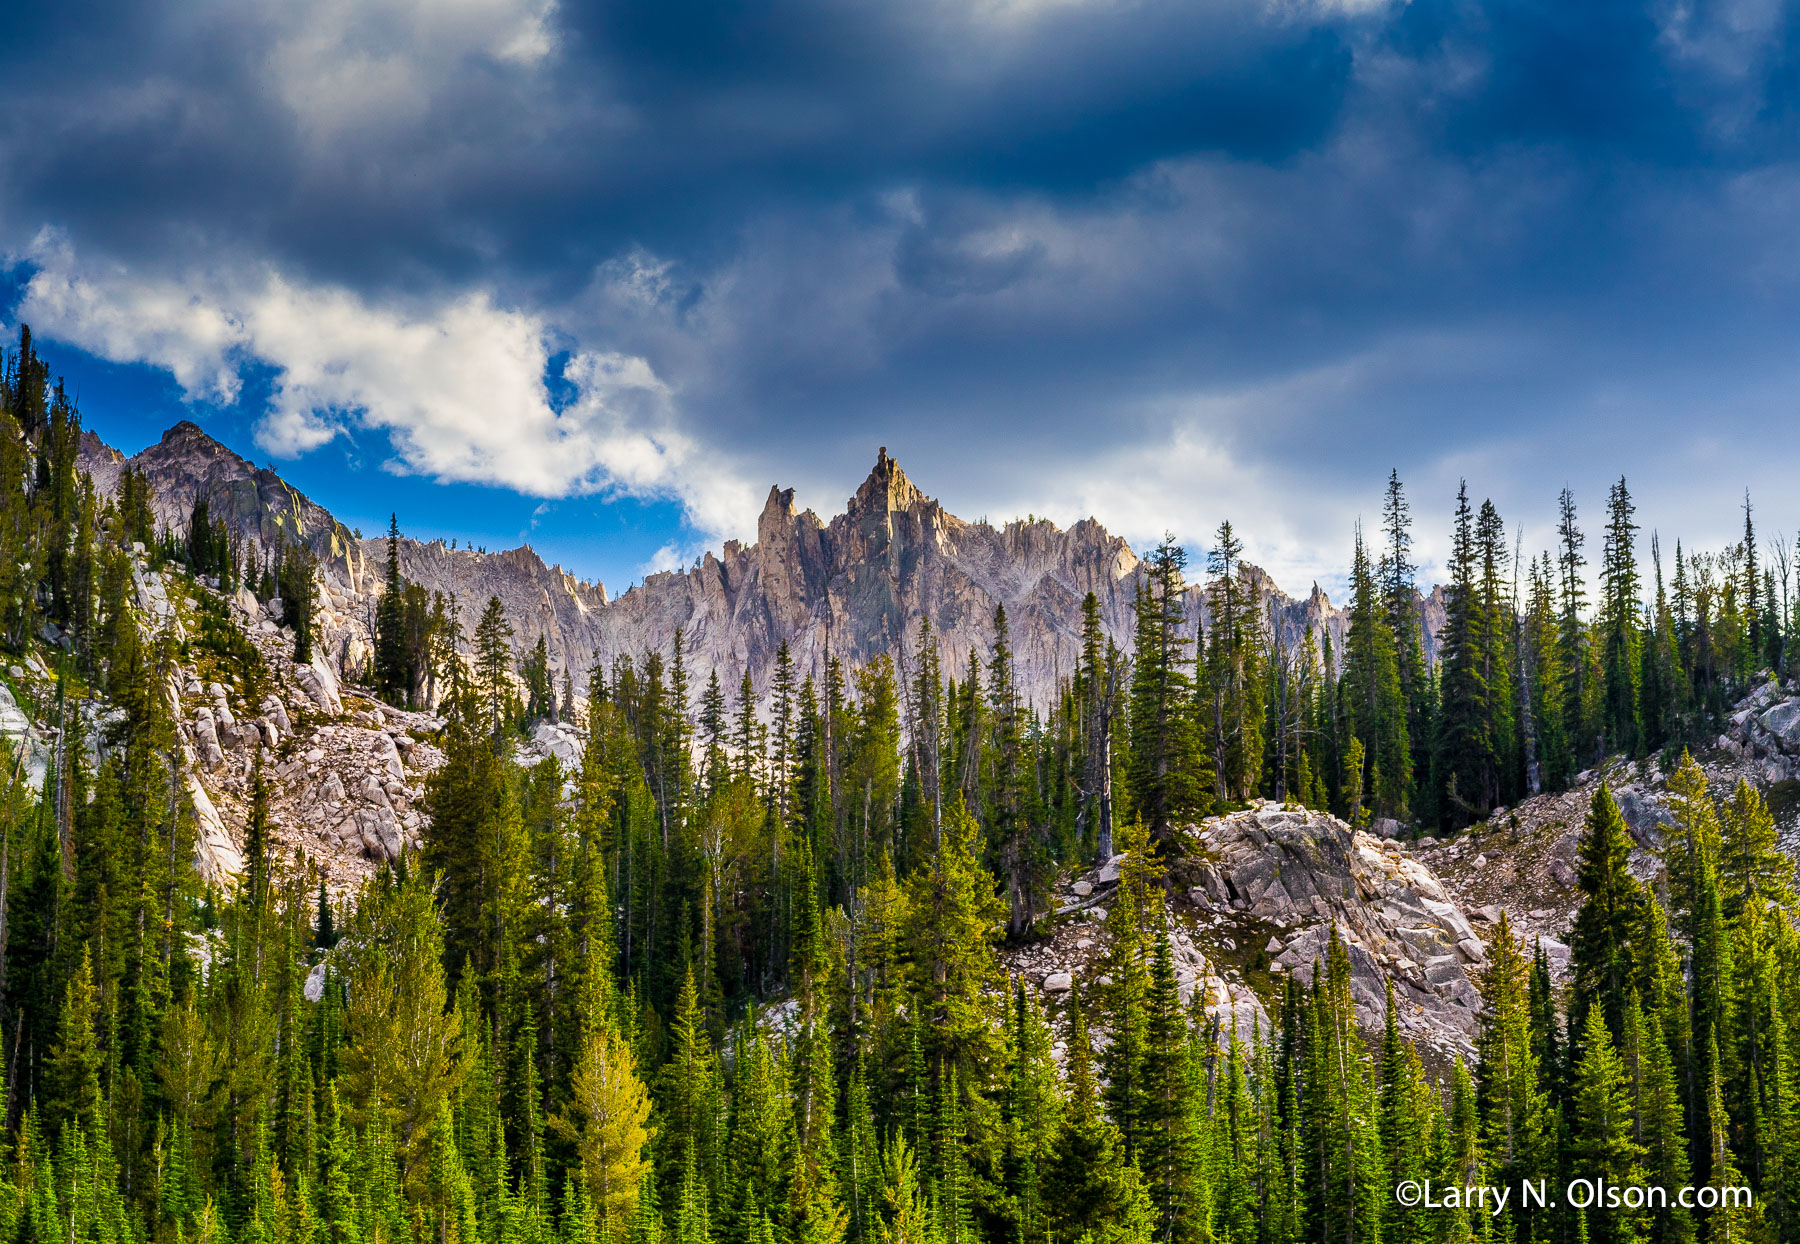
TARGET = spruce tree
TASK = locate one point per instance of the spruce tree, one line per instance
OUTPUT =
(1619, 625)
(1163, 773)
(1604, 939)
(1605, 1144)
(1235, 657)
(1375, 695)
(1465, 759)
(1400, 596)
(493, 664)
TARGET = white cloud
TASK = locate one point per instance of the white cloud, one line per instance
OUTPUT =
(124, 319)
(459, 388)
(668, 557)
(1187, 479)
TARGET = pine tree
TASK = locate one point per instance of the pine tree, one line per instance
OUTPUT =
(1619, 614)
(75, 1063)
(1510, 1071)
(1664, 1133)
(1343, 1145)
(606, 1121)
(1572, 640)
(952, 910)
(391, 675)
(1404, 621)
(1606, 927)
(1099, 1195)
(1013, 838)
(1163, 773)
(1375, 695)
(1234, 669)
(1753, 870)
(1605, 1145)
(493, 663)
(1466, 747)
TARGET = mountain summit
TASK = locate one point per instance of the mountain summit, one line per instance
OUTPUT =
(887, 488)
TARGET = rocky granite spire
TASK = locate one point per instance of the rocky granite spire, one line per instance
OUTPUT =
(886, 489)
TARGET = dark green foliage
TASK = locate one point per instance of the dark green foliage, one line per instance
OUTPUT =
(1168, 778)
(1374, 698)
(1607, 929)
(415, 637)
(297, 586)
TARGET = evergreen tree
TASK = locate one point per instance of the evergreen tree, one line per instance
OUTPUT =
(606, 1121)
(391, 675)
(493, 664)
(1572, 639)
(1400, 597)
(1619, 619)
(1165, 785)
(1374, 694)
(1605, 1144)
(1604, 940)
(1234, 669)
(1466, 746)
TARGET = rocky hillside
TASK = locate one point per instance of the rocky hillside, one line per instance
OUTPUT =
(1253, 895)
(1522, 860)
(344, 774)
(853, 586)
(1258, 893)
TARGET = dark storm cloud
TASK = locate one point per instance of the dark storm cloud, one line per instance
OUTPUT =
(143, 126)
(1225, 231)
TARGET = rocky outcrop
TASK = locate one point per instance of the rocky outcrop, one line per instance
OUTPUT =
(1257, 895)
(343, 774)
(1074, 952)
(1522, 860)
(25, 745)
(1293, 876)
(1764, 733)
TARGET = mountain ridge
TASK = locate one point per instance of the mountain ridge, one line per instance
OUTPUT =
(853, 587)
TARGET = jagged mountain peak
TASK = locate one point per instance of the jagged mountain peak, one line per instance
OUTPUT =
(886, 489)
(185, 430)
(189, 439)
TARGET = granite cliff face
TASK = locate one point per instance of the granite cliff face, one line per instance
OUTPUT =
(854, 587)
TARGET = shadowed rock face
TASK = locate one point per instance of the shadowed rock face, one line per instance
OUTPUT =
(855, 587)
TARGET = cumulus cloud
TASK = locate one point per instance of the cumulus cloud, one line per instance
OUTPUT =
(460, 388)
(668, 557)
(126, 320)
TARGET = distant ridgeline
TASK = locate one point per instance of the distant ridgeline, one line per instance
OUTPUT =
(735, 975)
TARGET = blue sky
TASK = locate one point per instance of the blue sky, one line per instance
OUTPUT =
(598, 275)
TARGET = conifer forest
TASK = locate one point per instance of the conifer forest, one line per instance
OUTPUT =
(744, 970)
